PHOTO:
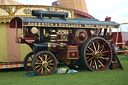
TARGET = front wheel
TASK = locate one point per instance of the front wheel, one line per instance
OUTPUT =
(96, 54)
(44, 63)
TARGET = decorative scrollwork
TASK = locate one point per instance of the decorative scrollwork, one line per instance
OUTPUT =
(27, 11)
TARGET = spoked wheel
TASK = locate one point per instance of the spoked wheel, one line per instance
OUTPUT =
(28, 61)
(96, 54)
(44, 63)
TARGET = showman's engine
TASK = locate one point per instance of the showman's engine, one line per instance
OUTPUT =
(79, 42)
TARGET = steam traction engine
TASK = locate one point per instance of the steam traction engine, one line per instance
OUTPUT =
(80, 43)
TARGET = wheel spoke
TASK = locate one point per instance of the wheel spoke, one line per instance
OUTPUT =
(50, 61)
(42, 70)
(101, 60)
(47, 68)
(50, 67)
(96, 65)
(100, 63)
(104, 52)
(39, 69)
(94, 46)
(91, 49)
(90, 58)
(101, 50)
(102, 57)
(87, 57)
(38, 60)
(37, 66)
(88, 53)
(102, 46)
(46, 57)
(41, 58)
(91, 45)
(51, 64)
(91, 63)
(98, 47)
(38, 63)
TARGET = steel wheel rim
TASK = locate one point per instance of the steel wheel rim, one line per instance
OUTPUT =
(44, 63)
(98, 54)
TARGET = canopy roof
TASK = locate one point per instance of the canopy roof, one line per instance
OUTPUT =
(9, 2)
(70, 23)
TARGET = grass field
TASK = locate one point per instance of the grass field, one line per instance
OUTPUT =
(82, 77)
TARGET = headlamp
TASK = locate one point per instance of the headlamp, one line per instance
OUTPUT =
(34, 30)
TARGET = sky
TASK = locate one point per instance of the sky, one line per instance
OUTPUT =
(116, 9)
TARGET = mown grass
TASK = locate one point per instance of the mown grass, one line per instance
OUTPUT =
(82, 77)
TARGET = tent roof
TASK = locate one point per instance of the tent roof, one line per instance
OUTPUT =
(9, 2)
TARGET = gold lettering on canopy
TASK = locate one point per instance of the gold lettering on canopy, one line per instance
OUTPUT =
(101, 26)
(111, 27)
(67, 25)
(89, 26)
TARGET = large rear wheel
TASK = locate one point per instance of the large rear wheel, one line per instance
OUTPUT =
(96, 54)
(44, 63)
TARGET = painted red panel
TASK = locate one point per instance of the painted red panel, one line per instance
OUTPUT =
(73, 54)
(117, 39)
(72, 47)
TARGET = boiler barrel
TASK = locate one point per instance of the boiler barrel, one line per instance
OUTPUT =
(49, 14)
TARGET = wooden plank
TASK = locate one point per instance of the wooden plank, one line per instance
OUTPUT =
(118, 61)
